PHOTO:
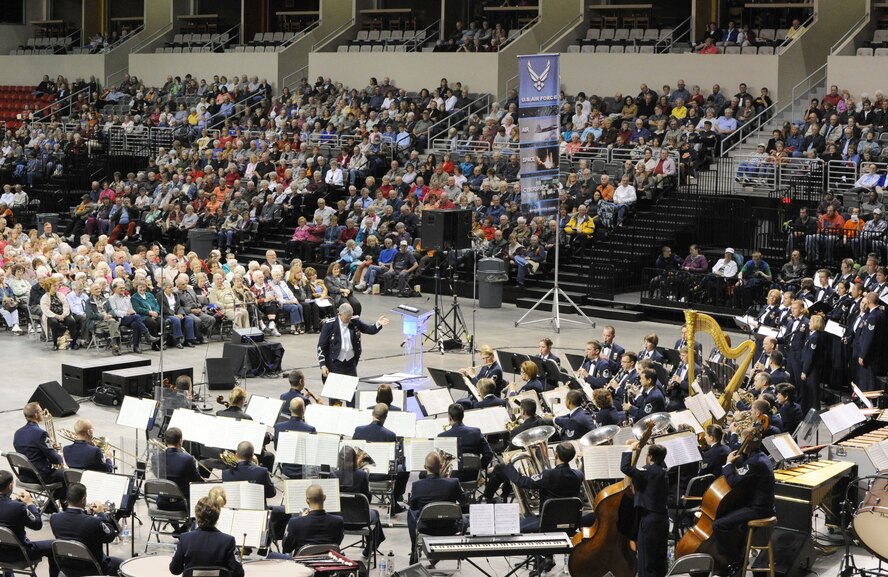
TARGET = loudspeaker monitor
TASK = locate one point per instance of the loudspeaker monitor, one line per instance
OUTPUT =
(55, 399)
(449, 229)
(222, 373)
(247, 335)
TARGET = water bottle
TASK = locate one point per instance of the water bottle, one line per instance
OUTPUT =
(564, 569)
(390, 564)
(381, 567)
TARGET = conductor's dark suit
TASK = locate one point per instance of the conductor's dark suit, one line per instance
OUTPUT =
(330, 345)
(206, 548)
(316, 528)
(93, 531)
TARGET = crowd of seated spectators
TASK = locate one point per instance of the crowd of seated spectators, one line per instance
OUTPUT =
(480, 36)
(715, 39)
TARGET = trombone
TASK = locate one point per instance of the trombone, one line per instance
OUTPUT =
(50, 430)
(103, 445)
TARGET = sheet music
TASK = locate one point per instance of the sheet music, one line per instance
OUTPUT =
(697, 406)
(713, 405)
(393, 378)
(681, 448)
(490, 420)
(331, 419)
(367, 399)
(834, 328)
(238, 494)
(339, 386)
(324, 303)
(294, 494)
(686, 417)
(767, 331)
(415, 451)
(842, 417)
(555, 400)
(746, 321)
(402, 423)
(104, 487)
(482, 519)
(228, 433)
(878, 454)
(382, 453)
(863, 398)
(264, 410)
(472, 388)
(786, 446)
(137, 413)
(238, 523)
(602, 462)
(430, 427)
(295, 447)
(435, 401)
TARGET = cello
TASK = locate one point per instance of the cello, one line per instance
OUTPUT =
(719, 499)
(606, 546)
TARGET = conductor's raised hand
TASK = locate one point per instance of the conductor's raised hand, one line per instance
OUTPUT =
(382, 321)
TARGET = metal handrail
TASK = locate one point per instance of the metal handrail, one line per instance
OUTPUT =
(285, 82)
(508, 82)
(414, 44)
(756, 120)
(573, 22)
(673, 36)
(37, 113)
(450, 117)
(851, 31)
(126, 38)
(213, 38)
(339, 30)
(788, 41)
(294, 38)
(808, 83)
(153, 38)
(521, 31)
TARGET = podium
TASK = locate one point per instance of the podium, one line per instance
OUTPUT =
(413, 326)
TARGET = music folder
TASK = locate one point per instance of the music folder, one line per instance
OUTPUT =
(494, 519)
(248, 527)
(340, 387)
(137, 413)
(782, 447)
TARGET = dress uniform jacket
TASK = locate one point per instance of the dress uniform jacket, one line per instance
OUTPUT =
(375, 432)
(33, 442)
(757, 472)
(470, 441)
(93, 531)
(714, 459)
(493, 371)
(792, 416)
(247, 471)
(614, 353)
(599, 372)
(623, 381)
(647, 403)
(16, 516)
(610, 416)
(575, 424)
(560, 481)
(489, 401)
(181, 469)
(206, 548)
(651, 493)
(330, 340)
(316, 528)
(87, 457)
(290, 470)
(537, 385)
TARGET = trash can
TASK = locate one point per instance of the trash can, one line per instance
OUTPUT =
(491, 276)
(201, 240)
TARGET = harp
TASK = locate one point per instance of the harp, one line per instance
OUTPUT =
(745, 351)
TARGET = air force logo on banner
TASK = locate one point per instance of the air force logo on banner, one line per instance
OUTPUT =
(539, 80)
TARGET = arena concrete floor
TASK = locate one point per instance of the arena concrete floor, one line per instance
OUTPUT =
(29, 362)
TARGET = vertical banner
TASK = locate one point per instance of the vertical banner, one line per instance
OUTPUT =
(538, 122)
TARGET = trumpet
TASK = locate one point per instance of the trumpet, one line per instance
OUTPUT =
(96, 507)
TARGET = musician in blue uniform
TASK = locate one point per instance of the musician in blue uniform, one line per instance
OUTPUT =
(683, 342)
(776, 370)
(489, 370)
(206, 546)
(376, 432)
(650, 400)
(355, 480)
(611, 351)
(297, 423)
(339, 344)
(436, 486)
(607, 413)
(34, 443)
(790, 410)
(532, 382)
(487, 390)
(793, 340)
(760, 408)
(386, 396)
(815, 357)
(753, 475)
(577, 422)
(545, 348)
(181, 469)
(527, 419)
(650, 351)
(761, 384)
(715, 457)
(867, 340)
(297, 389)
(316, 527)
(626, 377)
(245, 470)
(678, 387)
(651, 512)
(471, 441)
(595, 370)
(93, 528)
(18, 513)
(83, 455)
(560, 481)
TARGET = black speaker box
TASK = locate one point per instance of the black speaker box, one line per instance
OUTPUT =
(446, 229)
(222, 373)
(55, 399)
(250, 334)
(793, 554)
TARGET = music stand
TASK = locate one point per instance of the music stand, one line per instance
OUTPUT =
(575, 361)
(671, 355)
(413, 326)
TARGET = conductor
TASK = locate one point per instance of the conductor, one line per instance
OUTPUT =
(339, 345)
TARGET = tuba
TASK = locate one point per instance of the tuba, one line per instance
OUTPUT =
(534, 459)
(698, 321)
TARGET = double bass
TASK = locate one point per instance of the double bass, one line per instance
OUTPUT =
(606, 546)
(718, 500)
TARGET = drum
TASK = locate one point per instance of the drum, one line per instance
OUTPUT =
(871, 519)
(147, 566)
(276, 568)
